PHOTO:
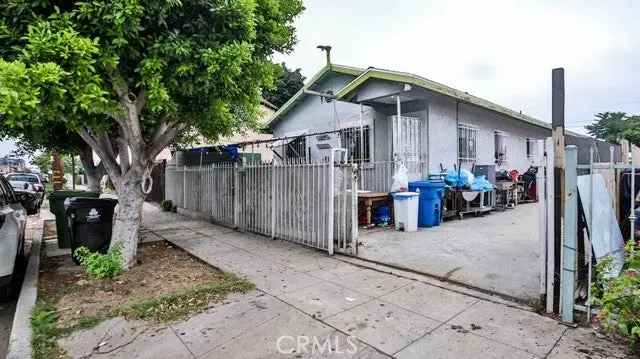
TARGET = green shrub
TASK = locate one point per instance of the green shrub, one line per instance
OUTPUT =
(166, 205)
(619, 297)
(99, 266)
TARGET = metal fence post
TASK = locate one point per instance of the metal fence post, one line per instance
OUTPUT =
(632, 214)
(330, 204)
(273, 199)
(354, 208)
(184, 187)
(569, 243)
(236, 197)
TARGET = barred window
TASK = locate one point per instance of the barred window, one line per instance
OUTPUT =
(356, 143)
(532, 148)
(467, 143)
(500, 145)
(297, 148)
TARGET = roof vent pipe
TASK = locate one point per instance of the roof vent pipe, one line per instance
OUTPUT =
(327, 50)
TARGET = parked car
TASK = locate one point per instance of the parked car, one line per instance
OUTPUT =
(32, 186)
(13, 221)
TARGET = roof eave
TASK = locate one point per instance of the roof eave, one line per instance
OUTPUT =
(348, 70)
(435, 87)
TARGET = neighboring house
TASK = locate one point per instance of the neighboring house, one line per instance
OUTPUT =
(12, 164)
(248, 142)
(441, 127)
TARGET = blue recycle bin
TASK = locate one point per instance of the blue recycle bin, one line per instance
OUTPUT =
(429, 204)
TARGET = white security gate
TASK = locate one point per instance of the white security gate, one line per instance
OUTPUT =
(314, 204)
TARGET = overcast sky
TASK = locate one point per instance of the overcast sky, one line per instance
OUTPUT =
(498, 50)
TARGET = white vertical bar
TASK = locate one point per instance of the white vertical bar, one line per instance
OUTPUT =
(273, 199)
(632, 214)
(184, 187)
(354, 210)
(569, 245)
(589, 250)
(550, 224)
(542, 215)
(236, 192)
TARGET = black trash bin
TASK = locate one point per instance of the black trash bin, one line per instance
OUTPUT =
(56, 206)
(89, 222)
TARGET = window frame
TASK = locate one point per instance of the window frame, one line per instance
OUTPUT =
(471, 149)
(353, 132)
(496, 151)
(531, 148)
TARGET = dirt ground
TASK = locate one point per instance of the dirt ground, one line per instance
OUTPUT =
(161, 269)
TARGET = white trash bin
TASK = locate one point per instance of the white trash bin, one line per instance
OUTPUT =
(405, 211)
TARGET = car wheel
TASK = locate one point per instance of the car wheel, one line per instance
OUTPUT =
(12, 290)
(7, 292)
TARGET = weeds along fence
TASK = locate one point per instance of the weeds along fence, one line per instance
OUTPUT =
(314, 204)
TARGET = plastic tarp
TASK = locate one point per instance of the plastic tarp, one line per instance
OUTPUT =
(459, 179)
(606, 238)
(481, 184)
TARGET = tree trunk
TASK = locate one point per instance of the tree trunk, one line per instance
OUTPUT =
(128, 216)
(94, 173)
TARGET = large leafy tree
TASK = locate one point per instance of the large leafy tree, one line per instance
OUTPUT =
(137, 73)
(289, 82)
(615, 126)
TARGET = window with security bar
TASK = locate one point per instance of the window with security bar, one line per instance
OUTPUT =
(356, 142)
(500, 144)
(297, 148)
(532, 148)
(467, 143)
(406, 137)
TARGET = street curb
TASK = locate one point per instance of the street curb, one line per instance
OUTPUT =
(20, 339)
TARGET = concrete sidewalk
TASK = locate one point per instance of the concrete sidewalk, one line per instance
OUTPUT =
(306, 299)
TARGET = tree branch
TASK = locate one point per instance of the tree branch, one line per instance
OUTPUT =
(108, 161)
(141, 101)
(123, 154)
(162, 139)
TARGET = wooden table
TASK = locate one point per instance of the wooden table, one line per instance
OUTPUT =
(369, 199)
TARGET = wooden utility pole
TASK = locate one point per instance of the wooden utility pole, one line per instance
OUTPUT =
(557, 124)
(58, 172)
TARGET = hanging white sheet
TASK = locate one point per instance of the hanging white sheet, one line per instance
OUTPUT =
(606, 237)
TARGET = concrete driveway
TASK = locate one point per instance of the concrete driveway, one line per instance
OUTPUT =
(497, 252)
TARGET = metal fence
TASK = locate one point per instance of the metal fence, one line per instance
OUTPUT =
(597, 218)
(378, 176)
(314, 204)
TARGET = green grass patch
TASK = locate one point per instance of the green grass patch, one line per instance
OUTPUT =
(171, 307)
(178, 305)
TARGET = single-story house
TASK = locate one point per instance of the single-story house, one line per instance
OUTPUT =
(380, 115)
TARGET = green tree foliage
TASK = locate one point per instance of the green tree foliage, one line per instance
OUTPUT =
(287, 85)
(43, 161)
(138, 73)
(619, 297)
(615, 126)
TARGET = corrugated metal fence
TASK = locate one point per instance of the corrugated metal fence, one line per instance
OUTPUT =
(313, 204)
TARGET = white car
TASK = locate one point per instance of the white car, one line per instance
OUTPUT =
(31, 184)
(13, 221)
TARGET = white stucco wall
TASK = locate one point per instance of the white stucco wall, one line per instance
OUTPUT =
(443, 145)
